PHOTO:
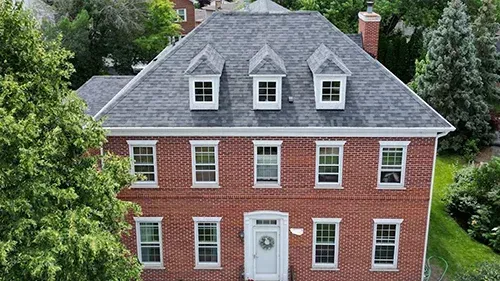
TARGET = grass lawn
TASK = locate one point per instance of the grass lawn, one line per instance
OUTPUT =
(446, 238)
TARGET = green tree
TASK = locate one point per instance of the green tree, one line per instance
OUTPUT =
(451, 80)
(485, 29)
(60, 217)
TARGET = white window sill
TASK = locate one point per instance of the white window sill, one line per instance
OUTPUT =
(262, 185)
(153, 267)
(384, 269)
(327, 186)
(324, 268)
(205, 185)
(389, 187)
(135, 185)
(208, 267)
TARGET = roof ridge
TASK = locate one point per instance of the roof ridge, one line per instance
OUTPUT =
(153, 65)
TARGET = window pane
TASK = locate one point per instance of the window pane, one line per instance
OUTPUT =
(149, 232)
(330, 91)
(267, 91)
(329, 164)
(384, 254)
(205, 168)
(207, 232)
(325, 233)
(268, 222)
(150, 253)
(325, 254)
(386, 233)
(207, 254)
(390, 177)
(203, 91)
(205, 176)
(144, 162)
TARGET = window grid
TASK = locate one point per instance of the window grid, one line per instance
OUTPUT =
(385, 244)
(391, 169)
(182, 14)
(205, 164)
(267, 91)
(330, 91)
(267, 164)
(150, 242)
(329, 164)
(207, 246)
(266, 222)
(203, 91)
(144, 165)
(325, 243)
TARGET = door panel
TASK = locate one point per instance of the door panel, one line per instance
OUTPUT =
(266, 249)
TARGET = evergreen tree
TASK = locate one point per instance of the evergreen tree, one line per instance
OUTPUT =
(485, 29)
(60, 217)
(451, 80)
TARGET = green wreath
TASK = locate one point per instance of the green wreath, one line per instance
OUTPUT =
(266, 242)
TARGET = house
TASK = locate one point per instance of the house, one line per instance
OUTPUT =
(186, 12)
(272, 146)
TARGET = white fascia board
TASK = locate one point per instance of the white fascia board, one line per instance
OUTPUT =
(277, 131)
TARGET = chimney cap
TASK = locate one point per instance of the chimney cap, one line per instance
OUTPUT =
(369, 7)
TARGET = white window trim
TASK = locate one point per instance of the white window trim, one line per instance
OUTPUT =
(135, 143)
(205, 143)
(158, 220)
(185, 14)
(318, 89)
(393, 144)
(386, 267)
(257, 143)
(340, 145)
(205, 265)
(323, 266)
(196, 105)
(258, 105)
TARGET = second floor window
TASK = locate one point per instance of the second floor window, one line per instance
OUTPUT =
(267, 163)
(182, 14)
(329, 158)
(392, 164)
(205, 163)
(143, 157)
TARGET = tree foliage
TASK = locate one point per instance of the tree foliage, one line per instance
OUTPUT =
(485, 29)
(119, 33)
(474, 200)
(451, 81)
(61, 219)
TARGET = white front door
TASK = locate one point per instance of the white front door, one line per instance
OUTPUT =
(266, 253)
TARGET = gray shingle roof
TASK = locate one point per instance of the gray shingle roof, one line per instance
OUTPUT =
(208, 61)
(324, 61)
(357, 38)
(266, 61)
(374, 97)
(266, 6)
(99, 90)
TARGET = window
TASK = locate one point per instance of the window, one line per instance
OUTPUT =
(207, 242)
(149, 245)
(205, 163)
(266, 222)
(325, 243)
(267, 163)
(330, 91)
(143, 157)
(329, 158)
(204, 92)
(182, 14)
(392, 164)
(267, 92)
(386, 243)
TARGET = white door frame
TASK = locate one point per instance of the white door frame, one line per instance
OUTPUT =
(282, 223)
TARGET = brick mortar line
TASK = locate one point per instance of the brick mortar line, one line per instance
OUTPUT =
(274, 197)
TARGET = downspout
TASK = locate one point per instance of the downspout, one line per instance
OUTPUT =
(438, 136)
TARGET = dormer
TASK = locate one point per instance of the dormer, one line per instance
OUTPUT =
(330, 78)
(204, 73)
(267, 70)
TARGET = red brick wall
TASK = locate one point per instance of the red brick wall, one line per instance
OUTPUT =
(188, 25)
(370, 33)
(357, 204)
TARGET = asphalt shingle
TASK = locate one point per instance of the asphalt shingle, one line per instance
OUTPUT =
(266, 61)
(99, 90)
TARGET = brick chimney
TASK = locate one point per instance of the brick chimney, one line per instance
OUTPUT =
(369, 25)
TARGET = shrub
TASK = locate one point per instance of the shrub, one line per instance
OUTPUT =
(483, 272)
(474, 201)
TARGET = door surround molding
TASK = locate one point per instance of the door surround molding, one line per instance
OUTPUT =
(282, 221)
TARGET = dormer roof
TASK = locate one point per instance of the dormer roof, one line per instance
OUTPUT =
(324, 61)
(207, 62)
(266, 61)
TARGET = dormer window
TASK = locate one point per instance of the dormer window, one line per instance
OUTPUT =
(204, 73)
(267, 70)
(330, 79)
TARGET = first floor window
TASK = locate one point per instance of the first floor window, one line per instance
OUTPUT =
(386, 243)
(325, 242)
(207, 242)
(149, 245)
(182, 14)
(143, 156)
(392, 163)
(267, 162)
(205, 162)
(330, 91)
